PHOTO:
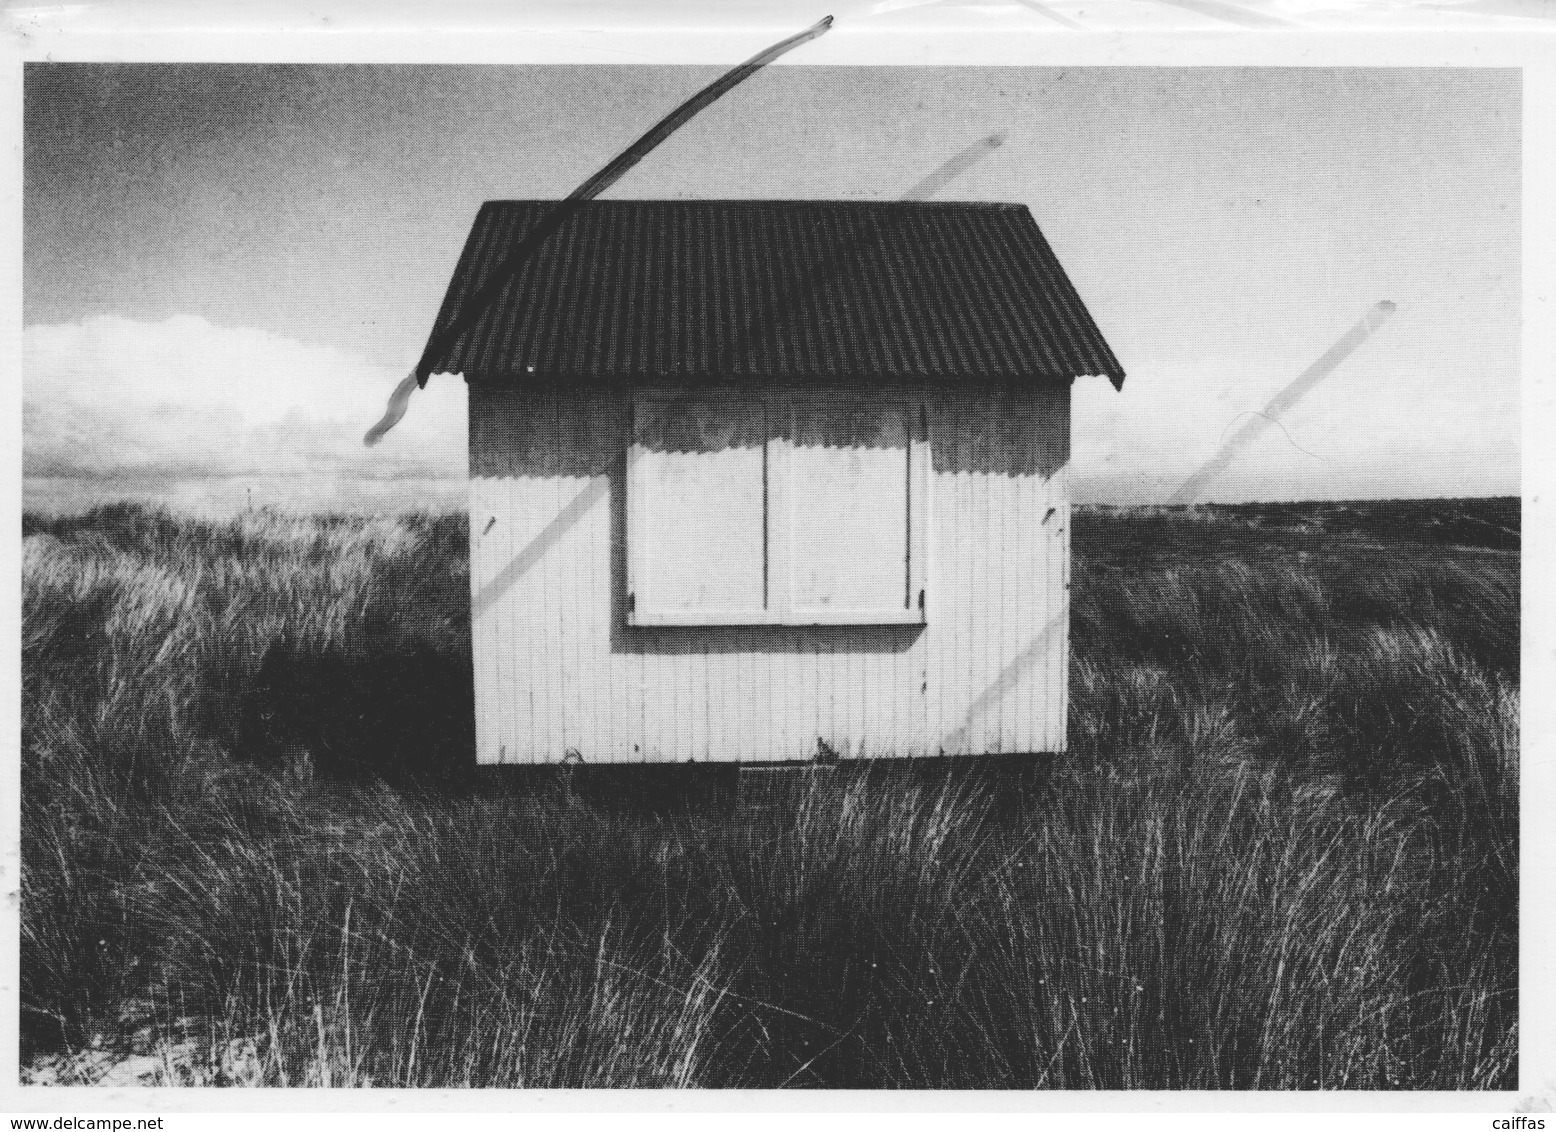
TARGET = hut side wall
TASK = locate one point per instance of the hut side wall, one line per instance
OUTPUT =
(558, 669)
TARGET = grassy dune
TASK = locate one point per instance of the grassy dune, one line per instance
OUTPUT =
(1282, 852)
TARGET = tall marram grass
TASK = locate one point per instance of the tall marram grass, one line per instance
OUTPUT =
(1281, 853)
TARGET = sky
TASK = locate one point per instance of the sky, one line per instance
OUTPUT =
(228, 268)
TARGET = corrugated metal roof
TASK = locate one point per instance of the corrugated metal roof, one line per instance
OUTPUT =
(807, 290)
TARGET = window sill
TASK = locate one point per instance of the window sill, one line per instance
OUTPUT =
(794, 618)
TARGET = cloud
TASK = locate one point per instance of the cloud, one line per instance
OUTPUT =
(186, 410)
(111, 400)
(1399, 419)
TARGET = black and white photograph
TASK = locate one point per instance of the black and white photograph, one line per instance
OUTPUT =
(773, 574)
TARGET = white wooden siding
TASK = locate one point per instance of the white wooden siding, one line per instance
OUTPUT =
(558, 668)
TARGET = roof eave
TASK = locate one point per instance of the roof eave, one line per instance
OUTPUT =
(1116, 379)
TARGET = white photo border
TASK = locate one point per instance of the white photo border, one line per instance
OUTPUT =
(1391, 36)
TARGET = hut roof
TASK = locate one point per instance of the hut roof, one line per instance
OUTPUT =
(811, 291)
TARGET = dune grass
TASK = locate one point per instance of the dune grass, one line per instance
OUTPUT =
(1282, 852)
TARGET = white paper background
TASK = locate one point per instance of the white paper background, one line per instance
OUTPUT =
(1124, 32)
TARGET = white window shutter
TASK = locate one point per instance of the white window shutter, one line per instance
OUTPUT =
(696, 525)
(783, 509)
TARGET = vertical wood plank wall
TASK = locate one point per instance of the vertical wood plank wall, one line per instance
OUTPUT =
(557, 668)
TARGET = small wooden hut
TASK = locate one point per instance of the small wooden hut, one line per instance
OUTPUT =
(763, 481)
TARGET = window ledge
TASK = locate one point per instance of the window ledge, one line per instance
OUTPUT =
(795, 618)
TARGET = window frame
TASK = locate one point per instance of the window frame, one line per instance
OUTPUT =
(779, 520)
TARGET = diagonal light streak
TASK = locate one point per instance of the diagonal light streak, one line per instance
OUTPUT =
(1232, 13)
(613, 171)
(954, 167)
(1056, 17)
(399, 400)
(1005, 682)
(850, 254)
(1284, 401)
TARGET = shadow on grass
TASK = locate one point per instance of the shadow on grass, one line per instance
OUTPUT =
(404, 717)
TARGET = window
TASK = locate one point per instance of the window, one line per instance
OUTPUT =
(778, 509)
